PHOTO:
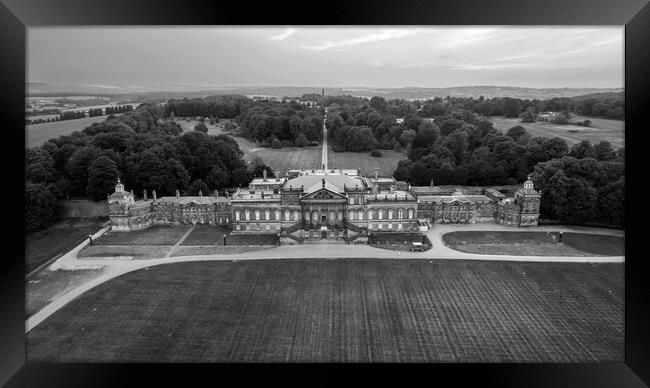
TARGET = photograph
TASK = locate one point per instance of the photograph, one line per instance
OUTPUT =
(385, 194)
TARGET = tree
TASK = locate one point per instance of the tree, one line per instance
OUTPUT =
(201, 127)
(427, 135)
(77, 168)
(40, 206)
(257, 168)
(604, 151)
(516, 132)
(102, 175)
(301, 140)
(529, 115)
(217, 178)
(561, 119)
(554, 148)
(198, 186)
(511, 107)
(584, 149)
(379, 104)
(39, 166)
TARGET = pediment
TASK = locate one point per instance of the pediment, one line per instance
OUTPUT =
(324, 194)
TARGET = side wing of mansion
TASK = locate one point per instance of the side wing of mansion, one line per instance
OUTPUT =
(329, 204)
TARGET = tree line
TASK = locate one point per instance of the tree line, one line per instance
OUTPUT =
(141, 148)
(584, 183)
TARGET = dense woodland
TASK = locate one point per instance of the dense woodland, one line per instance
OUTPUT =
(445, 141)
(139, 147)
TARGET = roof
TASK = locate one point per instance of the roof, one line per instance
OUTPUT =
(395, 195)
(442, 199)
(336, 181)
(120, 195)
(196, 199)
(319, 185)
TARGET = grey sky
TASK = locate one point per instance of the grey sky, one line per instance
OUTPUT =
(585, 56)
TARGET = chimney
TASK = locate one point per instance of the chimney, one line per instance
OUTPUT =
(144, 194)
(154, 196)
(323, 182)
(431, 184)
(376, 173)
(178, 194)
(264, 174)
(200, 193)
(277, 175)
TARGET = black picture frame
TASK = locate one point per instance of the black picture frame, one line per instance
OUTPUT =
(17, 15)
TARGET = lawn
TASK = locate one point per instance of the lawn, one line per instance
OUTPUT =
(37, 134)
(535, 243)
(399, 241)
(46, 285)
(192, 250)
(385, 164)
(252, 239)
(287, 158)
(290, 158)
(601, 129)
(123, 251)
(207, 235)
(154, 235)
(58, 239)
(343, 310)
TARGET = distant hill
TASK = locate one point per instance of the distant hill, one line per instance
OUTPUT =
(180, 91)
(618, 96)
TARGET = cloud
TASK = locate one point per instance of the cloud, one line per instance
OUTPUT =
(284, 34)
(368, 38)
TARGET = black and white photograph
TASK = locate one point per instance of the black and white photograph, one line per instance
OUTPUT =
(325, 194)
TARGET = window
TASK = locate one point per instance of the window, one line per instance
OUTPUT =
(390, 214)
(379, 224)
(277, 215)
(268, 226)
(237, 215)
(267, 214)
(381, 214)
(390, 226)
(351, 215)
(286, 215)
(306, 216)
(399, 226)
(248, 214)
(351, 200)
(360, 215)
(400, 213)
(410, 213)
(296, 215)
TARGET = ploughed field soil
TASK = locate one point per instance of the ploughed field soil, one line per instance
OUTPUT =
(535, 243)
(343, 310)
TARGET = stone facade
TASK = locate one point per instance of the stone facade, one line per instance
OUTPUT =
(328, 204)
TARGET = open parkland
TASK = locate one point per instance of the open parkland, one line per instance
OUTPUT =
(178, 293)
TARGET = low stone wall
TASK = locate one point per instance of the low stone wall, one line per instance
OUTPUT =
(82, 208)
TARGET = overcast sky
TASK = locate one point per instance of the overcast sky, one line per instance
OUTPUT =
(585, 56)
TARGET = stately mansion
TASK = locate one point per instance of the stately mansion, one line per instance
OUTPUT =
(308, 204)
